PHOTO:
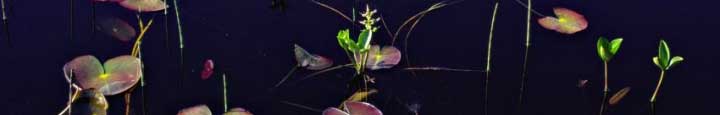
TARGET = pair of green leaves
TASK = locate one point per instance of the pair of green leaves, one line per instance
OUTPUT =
(347, 43)
(607, 49)
(663, 60)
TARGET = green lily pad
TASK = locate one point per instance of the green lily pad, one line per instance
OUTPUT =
(117, 75)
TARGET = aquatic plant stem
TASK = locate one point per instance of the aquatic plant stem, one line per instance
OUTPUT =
(92, 18)
(225, 100)
(657, 88)
(605, 90)
(295, 67)
(489, 55)
(5, 21)
(525, 57)
(73, 96)
(180, 33)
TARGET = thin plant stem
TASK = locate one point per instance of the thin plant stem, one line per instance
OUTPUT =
(605, 89)
(440, 69)
(225, 100)
(287, 76)
(6, 26)
(602, 103)
(326, 70)
(489, 55)
(335, 10)
(92, 18)
(526, 6)
(657, 88)
(527, 49)
(301, 106)
(180, 32)
(143, 29)
(73, 96)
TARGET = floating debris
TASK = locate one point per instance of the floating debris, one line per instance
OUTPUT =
(208, 69)
(618, 96)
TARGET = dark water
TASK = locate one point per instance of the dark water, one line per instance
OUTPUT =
(252, 44)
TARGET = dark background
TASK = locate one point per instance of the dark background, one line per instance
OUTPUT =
(252, 44)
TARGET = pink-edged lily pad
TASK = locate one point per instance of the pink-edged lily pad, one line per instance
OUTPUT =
(144, 5)
(109, 0)
(567, 21)
(117, 75)
(196, 110)
(354, 108)
(117, 28)
(383, 58)
(311, 61)
(238, 111)
(208, 69)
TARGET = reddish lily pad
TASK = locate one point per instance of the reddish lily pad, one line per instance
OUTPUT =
(354, 108)
(117, 28)
(384, 58)
(117, 75)
(196, 110)
(144, 5)
(567, 21)
(208, 69)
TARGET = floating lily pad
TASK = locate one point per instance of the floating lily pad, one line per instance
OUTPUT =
(238, 111)
(384, 58)
(354, 108)
(196, 110)
(208, 69)
(144, 5)
(117, 28)
(311, 61)
(117, 75)
(566, 22)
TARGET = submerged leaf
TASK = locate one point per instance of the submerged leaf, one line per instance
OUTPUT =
(618, 96)
(360, 95)
(90, 102)
(310, 61)
(117, 28)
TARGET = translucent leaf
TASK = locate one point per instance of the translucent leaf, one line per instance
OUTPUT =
(360, 95)
(674, 61)
(615, 45)
(311, 61)
(144, 5)
(663, 54)
(84, 70)
(361, 108)
(618, 96)
(384, 58)
(567, 21)
(121, 73)
(196, 110)
(604, 54)
(117, 28)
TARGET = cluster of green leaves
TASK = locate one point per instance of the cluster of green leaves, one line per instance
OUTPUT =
(663, 60)
(607, 49)
(363, 41)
